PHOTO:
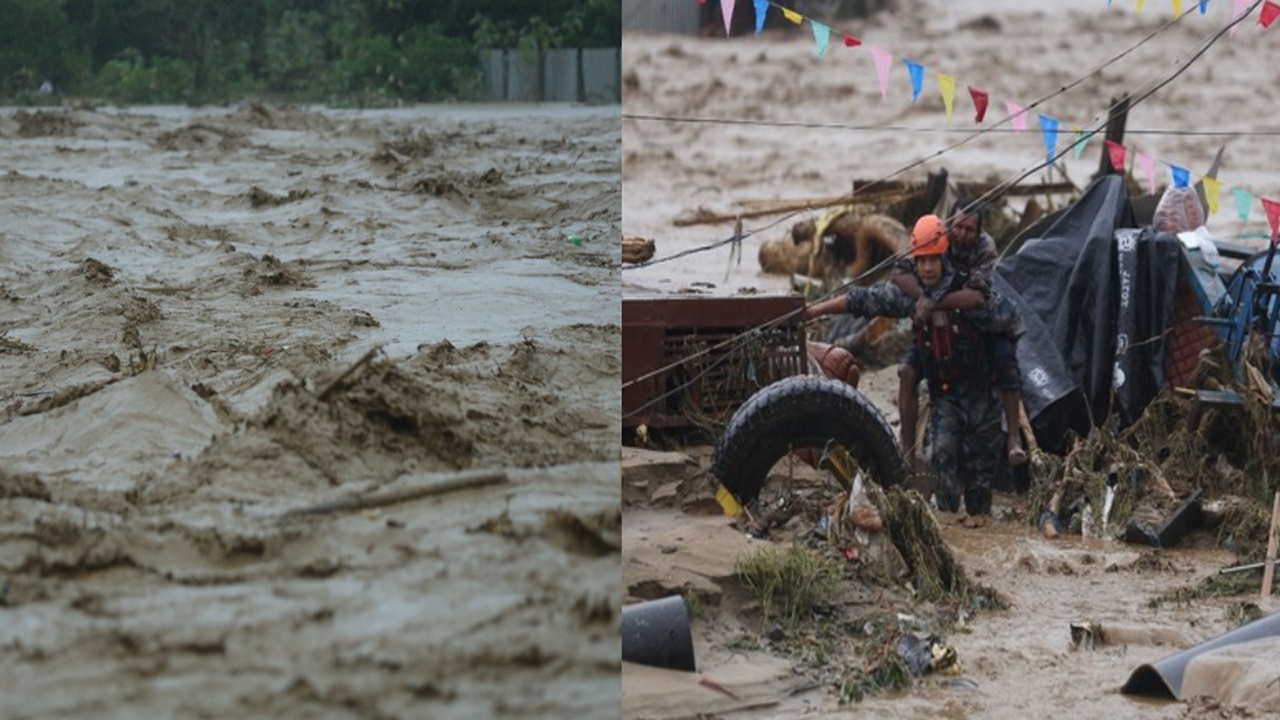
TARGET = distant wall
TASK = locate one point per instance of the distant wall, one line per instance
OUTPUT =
(583, 75)
(661, 16)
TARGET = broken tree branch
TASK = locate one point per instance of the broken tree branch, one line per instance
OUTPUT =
(364, 360)
(465, 480)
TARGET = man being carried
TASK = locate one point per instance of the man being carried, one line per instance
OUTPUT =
(972, 254)
(952, 355)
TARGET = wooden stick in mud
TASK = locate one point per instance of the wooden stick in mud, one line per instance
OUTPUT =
(1268, 573)
(364, 360)
(464, 480)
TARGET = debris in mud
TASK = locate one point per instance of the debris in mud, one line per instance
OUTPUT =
(637, 250)
(42, 123)
(97, 272)
(271, 271)
(934, 571)
(593, 536)
(23, 485)
(259, 197)
(434, 187)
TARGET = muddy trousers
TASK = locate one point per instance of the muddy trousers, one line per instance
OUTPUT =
(965, 443)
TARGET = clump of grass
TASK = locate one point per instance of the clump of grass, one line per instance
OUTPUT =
(694, 606)
(789, 581)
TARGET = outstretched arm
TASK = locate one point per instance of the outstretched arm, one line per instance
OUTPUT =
(830, 306)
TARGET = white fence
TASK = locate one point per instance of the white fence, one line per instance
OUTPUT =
(584, 75)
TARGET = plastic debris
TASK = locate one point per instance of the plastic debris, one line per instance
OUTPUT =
(928, 653)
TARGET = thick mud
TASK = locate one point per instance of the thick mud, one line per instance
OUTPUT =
(224, 331)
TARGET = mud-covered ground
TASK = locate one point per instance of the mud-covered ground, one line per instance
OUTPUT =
(716, 126)
(183, 291)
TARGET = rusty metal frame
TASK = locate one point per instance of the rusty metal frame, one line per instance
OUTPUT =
(661, 334)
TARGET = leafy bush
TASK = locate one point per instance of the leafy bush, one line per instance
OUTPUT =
(130, 80)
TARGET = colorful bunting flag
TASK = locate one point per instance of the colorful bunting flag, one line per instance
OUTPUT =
(1212, 191)
(980, 99)
(762, 8)
(726, 11)
(1238, 10)
(1272, 209)
(1270, 11)
(1140, 6)
(1244, 201)
(1049, 130)
(1177, 8)
(821, 35)
(916, 71)
(947, 86)
(792, 15)
(1148, 165)
(1116, 151)
(883, 60)
(851, 41)
(1082, 138)
(1018, 114)
(1204, 6)
(1181, 177)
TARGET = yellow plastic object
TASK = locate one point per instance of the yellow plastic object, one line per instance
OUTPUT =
(727, 501)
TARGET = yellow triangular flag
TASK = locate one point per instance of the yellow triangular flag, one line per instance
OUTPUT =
(947, 85)
(793, 16)
(1177, 8)
(1140, 5)
(1211, 190)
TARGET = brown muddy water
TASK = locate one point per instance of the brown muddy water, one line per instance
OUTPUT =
(183, 290)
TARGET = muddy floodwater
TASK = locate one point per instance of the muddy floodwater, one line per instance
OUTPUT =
(239, 347)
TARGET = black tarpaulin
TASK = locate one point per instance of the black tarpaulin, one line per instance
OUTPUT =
(1096, 294)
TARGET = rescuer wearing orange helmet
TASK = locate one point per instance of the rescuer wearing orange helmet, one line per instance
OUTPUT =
(973, 256)
(951, 354)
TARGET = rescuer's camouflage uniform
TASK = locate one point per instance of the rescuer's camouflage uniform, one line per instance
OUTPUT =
(964, 438)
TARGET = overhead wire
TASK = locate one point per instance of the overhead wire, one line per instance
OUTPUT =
(1149, 88)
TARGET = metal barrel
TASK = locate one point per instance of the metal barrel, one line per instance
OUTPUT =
(657, 633)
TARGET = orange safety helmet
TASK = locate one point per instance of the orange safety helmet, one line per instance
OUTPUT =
(929, 237)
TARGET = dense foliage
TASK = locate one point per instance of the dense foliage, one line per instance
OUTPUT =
(364, 52)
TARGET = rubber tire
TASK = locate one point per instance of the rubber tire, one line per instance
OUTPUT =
(803, 411)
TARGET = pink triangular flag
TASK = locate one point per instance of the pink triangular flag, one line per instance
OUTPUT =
(1273, 215)
(1116, 151)
(1148, 165)
(1238, 9)
(726, 10)
(1269, 13)
(1018, 115)
(883, 61)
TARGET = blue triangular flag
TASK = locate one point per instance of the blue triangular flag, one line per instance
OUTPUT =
(1181, 177)
(821, 34)
(1049, 128)
(916, 71)
(762, 7)
(1204, 6)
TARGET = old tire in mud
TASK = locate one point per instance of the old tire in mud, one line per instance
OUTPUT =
(803, 412)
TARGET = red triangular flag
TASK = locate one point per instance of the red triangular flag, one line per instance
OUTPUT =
(851, 41)
(980, 99)
(1270, 11)
(1273, 215)
(1116, 151)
